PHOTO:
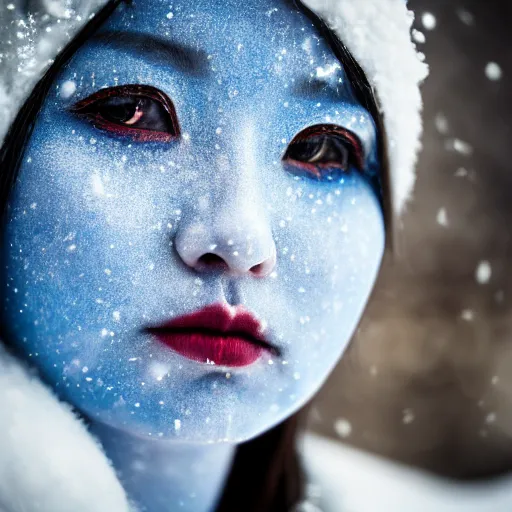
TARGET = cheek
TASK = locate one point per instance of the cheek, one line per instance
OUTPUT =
(101, 190)
(330, 242)
(79, 223)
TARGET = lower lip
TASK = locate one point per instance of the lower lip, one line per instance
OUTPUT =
(221, 350)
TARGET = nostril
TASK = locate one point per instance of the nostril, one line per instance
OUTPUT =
(264, 268)
(211, 260)
(258, 269)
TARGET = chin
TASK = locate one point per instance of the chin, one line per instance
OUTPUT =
(203, 417)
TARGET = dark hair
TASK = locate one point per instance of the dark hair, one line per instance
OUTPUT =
(276, 482)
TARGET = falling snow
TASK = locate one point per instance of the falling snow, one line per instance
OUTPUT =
(429, 21)
(343, 428)
(468, 315)
(441, 123)
(493, 71)
(466, 17)
(442, 217)
(483, 272)
(408, 416)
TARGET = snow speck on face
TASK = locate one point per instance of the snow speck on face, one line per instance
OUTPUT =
(343, 428)
(67, 89)
(442, 218)
(483, 272)
(97, 185)
(493, 71)
(429, 21)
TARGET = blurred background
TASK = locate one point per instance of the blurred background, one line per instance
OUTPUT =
(428, 377)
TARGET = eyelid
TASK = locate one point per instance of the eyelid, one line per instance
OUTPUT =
(144, 91)
(336, 130)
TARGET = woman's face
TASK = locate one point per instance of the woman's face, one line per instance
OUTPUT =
(202, 191)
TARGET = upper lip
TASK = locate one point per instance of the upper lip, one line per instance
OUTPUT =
(223, 319)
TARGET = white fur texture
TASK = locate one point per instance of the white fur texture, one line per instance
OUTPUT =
(48, 460)
(354, 481)
(377, 33)
(29, 42)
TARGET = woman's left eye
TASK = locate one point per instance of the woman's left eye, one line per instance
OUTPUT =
(323, 152)
(140, 112)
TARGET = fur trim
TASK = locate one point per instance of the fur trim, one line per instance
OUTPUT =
(49, 461)
(362, 482)
(33, 33)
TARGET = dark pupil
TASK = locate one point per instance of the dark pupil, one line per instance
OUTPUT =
(321, 149)
(118, 109)
(304, 151)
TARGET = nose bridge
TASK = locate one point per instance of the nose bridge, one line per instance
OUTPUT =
(243, 194)
(233, 224)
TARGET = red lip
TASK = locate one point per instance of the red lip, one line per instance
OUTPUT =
(220, 334)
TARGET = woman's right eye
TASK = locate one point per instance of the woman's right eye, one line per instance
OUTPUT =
(139, 112)
(323, 153)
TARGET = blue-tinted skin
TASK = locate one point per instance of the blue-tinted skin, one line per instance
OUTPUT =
(103, 234)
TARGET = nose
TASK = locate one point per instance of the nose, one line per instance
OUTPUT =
(229, 230)
(233, 237)
(237, 246)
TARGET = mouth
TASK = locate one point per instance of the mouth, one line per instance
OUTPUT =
(218, 334)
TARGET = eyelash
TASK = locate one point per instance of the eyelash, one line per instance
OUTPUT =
(140, 112)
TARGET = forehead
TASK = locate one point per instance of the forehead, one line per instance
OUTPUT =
(265, 37)
(258, 61)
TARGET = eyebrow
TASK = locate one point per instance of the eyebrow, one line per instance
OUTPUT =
(159, 50)
(308, 87)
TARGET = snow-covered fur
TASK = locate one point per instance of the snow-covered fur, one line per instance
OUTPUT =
(48, 460)
(33, 32)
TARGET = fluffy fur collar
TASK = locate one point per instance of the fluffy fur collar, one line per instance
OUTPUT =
(48, 460)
